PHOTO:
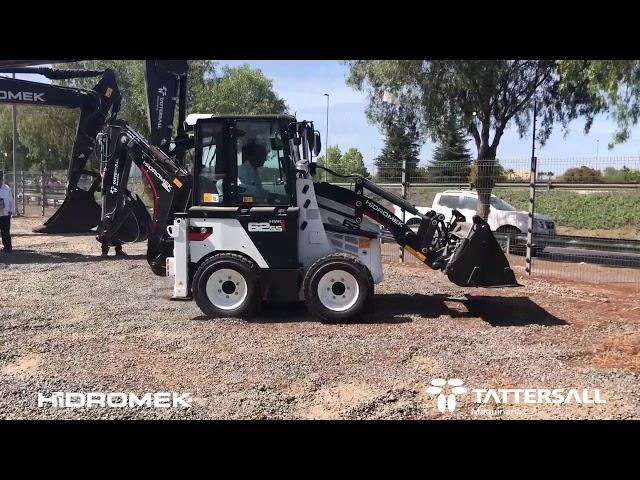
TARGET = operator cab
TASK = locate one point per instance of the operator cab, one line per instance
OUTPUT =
(247, 161)
(245, 169)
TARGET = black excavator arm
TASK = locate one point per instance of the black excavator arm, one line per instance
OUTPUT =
(125, 219)
(79, 212)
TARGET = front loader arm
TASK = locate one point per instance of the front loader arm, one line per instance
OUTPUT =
(474, 259)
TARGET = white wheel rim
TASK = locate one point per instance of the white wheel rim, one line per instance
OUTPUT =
(226, 289)
(338, 290)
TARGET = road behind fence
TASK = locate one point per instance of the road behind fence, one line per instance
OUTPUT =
(592, 205)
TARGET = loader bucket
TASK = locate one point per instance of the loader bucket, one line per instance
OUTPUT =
(78, 213)
(479, 261)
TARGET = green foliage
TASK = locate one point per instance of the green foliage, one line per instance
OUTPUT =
(345, 164)
(451, 159)
(47, 133)
(497, 173)
(600, 86)
(623, 175)
(400, 146)
(582, 174)
(598, 210)
(431, 93)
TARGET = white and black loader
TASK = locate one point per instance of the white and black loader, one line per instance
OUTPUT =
(261, 228)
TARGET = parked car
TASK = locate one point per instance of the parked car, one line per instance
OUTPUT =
(503, 217)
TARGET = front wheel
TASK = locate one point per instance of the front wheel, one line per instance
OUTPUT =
(338, 288)
(226, 285)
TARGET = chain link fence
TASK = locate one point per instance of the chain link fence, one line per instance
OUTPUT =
(586, 211)
(580, 217)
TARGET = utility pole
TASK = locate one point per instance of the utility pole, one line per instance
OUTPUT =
(13, 128)
(326, 140)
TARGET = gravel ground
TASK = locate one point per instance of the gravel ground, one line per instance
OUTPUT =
(72, 322)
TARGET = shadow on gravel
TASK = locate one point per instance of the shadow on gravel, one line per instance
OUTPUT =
(497, 311)
(33, 234)
(397, 308)
(19, 257)
(510, 312)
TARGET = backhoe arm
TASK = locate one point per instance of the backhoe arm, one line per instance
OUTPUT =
(170, 186)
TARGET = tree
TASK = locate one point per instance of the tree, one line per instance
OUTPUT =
(583, 174)
(331, 160)
(451, 159)
(351, 162)
(603, 86)
(622, 175)
(48, 133)
(400, 145)
(484, 95)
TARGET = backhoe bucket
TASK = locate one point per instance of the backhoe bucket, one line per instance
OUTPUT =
(131, 225)
(78, 213)
(479, 261)
(135, 222)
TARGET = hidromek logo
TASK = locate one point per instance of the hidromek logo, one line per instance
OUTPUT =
(165, 183)
(22, 96)
(114, 400)
(386, 214)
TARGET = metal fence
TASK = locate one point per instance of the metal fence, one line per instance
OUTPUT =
(583, 213)
(592, 205)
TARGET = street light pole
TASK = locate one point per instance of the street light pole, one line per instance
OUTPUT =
(326, 140)
(597, 148)
(13, 128)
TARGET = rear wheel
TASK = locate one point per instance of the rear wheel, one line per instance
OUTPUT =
(338, 288)
(226, 285)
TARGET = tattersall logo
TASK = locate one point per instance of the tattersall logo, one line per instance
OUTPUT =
(439, 387)
(446, 392)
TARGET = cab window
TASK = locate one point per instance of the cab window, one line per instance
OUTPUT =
(211, 169)
(262, 170)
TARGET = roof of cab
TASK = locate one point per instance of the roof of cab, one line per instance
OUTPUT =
(192, 118)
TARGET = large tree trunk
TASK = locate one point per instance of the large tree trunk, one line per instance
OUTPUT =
(485, 180)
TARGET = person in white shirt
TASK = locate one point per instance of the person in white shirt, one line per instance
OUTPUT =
(7, 208)
(253, 157)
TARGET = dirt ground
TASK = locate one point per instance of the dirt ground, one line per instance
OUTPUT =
(72, 322)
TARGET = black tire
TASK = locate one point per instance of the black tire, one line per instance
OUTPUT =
(247, 305)
(353, 306)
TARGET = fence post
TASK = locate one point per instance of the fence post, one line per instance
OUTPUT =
(532, 209)
(404, 196)
(22, 184)
(42, 187)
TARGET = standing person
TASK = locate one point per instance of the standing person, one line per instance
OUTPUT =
(106, 243)
(7, 207)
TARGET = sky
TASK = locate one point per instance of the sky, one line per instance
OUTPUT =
(303, 83)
